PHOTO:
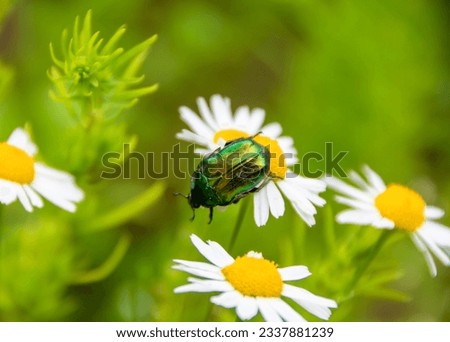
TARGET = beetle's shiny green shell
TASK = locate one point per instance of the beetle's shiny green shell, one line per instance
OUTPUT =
(229, 174)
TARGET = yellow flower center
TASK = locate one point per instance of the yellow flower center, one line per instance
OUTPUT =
(254, 277)
(278, 167)
(228, 135)
(403, 206)
(15, 165)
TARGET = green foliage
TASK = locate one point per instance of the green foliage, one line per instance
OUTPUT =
(52, 252)
(6, 76)
(97, 81)
(31, 273)
(5, 5)
(97, 75)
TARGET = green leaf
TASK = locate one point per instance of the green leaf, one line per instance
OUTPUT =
(108, 266)
(130, 209)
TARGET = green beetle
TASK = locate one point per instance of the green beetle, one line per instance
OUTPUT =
(228, 174)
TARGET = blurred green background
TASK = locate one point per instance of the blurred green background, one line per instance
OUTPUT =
(372, 77)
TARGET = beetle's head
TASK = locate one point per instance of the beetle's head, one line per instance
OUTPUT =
(192, 202)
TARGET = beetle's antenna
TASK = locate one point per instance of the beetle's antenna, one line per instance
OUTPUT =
(180, 194)
(188, 198)
(256, 134)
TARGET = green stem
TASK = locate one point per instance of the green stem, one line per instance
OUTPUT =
(237, 226)
(329, 230)
(364, 265)
(130, 209)
(108, 266)
(209, 312)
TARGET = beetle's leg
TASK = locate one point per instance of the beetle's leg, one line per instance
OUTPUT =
(210, 215)
(193, 214)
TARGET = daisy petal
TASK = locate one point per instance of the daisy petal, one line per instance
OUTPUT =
(310, 184)
(357, 216)
(348, 190)
(374, 179)
(195, 123)
(261, 207)
(35, 200)
(286, 144)
(57, 175)
(200, 273)
(354, 203)
(192, 137)
(287, 187)
(310, 193)
(195, 287)
(276, 202)
(273, 130)
(191, 288)
(286, 312)
(221, 108)
(247, 308)
(434, 246)
(295, 292)
(318, 306)
(20, 139)
(213, 252)
(228, 299)
(198, 265)
(433, 213)
(23, 198)
(294, 273)
(426, 253)
(57, 187)
(438, 232)
(308, 218)
(358, 180)
(267, 311)
(242, 116)
(383, 223)
(257, 116)
(206, 113)
(201, 285)
(8, 192)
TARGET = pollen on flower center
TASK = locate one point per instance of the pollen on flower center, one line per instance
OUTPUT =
(228, 135)
(278, 167)
(254, 277)
(15, 165)
(403, 206)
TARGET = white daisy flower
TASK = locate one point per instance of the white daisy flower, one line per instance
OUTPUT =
(217, 125)
(21, 177)
(251, 284)
(394, 206)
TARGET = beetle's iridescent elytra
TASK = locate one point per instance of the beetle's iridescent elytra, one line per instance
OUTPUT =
(229, 173)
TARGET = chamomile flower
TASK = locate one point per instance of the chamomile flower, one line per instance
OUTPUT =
(250, 284)
(394, 207)
(217, 125)
(21, 177)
